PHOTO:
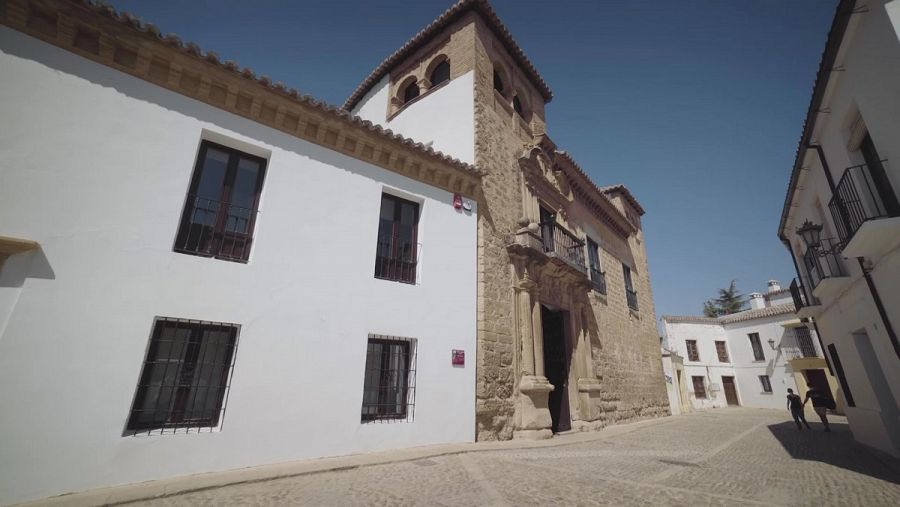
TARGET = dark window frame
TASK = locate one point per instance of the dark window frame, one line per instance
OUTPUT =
(598, 277)
(722, 351)
(693, 350)
(499, 85)
(630, 293)
(172, 414)
(701, 392)
(756, 345)
(384, 409)
(393, 266)
(411, 92)
(766, 384)
(220, 235)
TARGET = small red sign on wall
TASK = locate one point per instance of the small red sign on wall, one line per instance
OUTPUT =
(459, 357)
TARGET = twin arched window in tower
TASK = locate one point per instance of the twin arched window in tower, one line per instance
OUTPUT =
(501, 87)
(438, 74)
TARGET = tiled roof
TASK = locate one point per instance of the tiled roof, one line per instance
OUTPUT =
(761, 313)
(191, 49)
(623, 224)
(620, 188)
(826, 67)
(450, 15)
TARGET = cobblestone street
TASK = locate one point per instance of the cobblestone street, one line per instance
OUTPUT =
(719, 457)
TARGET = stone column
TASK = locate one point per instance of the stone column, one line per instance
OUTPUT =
(524, 302)
(538, 333)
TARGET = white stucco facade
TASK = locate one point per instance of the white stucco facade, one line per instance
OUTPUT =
(856, 103)
(774, 323)
(95, 166)
(444, 118)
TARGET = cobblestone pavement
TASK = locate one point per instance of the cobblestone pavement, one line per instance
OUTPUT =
(718, 457)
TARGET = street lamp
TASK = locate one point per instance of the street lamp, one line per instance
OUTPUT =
(811, 233)
(772, 343)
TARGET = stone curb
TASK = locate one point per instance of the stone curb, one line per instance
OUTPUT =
(124, 494)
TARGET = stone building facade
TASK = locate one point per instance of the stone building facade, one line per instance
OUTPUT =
(566, 337)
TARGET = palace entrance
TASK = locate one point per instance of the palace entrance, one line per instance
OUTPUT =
(557, 354)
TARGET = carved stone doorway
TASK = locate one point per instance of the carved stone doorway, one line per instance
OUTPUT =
(557, 354)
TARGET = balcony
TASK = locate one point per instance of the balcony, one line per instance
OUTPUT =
(212, 228)
(598, 280)
(631, 296)
(558, 242)
(827, 274)
(805, 304)
(865, 212)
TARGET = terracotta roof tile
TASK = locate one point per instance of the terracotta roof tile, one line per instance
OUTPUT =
(132, 22)
(442, 21)
(761, 313)
(620, 188)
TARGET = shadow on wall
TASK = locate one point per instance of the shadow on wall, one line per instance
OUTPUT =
(17, 268)
(837, 448)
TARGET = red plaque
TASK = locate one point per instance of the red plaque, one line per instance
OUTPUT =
(459, 357)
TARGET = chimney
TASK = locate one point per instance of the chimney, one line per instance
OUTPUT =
(773, 285)
(757, 300)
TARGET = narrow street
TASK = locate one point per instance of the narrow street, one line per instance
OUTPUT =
(717, 457)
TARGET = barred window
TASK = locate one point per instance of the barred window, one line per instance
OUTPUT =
(722, 352)
(765, 383)
(699, 387)
(186, 376)
(756, 345)
(692, 351)
(389, 389)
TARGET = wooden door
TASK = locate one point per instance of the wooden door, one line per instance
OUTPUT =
(730, 392)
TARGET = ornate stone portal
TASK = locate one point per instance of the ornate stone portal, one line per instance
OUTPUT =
(542, 279)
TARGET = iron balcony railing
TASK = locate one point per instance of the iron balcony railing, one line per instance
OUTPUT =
(216, 229)
(824, 262)
(631, 296)
(856, 200)
(598, 280)
(396, 259)
(805, 342)
(801, 295)
(561, 243)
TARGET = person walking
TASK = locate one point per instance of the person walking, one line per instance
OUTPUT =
(820, 402)
(795, 405)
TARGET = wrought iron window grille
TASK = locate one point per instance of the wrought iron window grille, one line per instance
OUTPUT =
(185, 378)
(389, 387)
(560, 242)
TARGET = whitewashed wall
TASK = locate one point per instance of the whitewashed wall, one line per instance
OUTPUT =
(869, 84)
(708, 365)
(95, 166)
(444, 117)
(775, 364)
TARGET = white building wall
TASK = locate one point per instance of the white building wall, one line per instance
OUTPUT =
(869, 86)
(708, 365)
(775, 364)
(95, 166)
(443, 117)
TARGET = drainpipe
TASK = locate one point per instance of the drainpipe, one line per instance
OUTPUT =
(869, 282)
(880, 306)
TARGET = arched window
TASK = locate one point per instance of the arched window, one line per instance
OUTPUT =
(440, 74)
(410, 92)
(498, 81)
(517, 105)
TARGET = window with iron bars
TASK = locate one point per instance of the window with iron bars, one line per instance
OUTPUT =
(222, 203)
(692, 351)
(598, 278)
(396, 253)
(765, 383)
(389, 388)
(186, 376)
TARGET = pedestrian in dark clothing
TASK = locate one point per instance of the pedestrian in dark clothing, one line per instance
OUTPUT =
(820, 402)
(795, 405)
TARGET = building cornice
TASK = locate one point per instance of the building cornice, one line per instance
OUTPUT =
(760, 313)
(487, 12)
(122, 42)
(588, 193)
(622, 190)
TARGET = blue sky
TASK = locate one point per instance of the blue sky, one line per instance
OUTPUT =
(696, 106)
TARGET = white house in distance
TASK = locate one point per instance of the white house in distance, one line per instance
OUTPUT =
(749, 358)
(203, 270)
(841, 216)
